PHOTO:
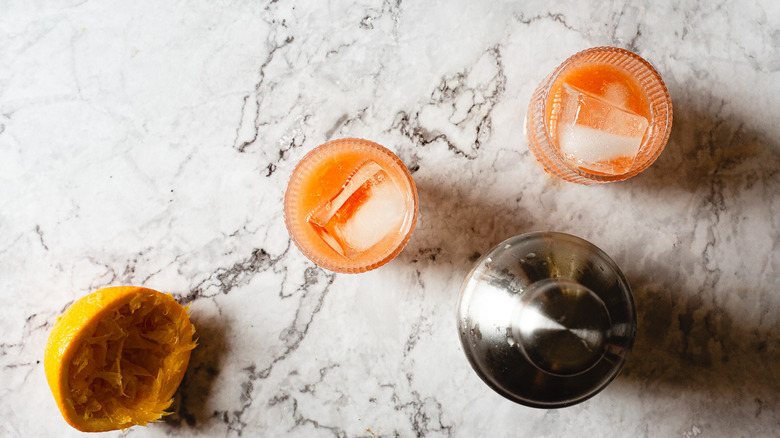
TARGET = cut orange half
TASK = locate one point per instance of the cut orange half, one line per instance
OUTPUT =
(115, 358)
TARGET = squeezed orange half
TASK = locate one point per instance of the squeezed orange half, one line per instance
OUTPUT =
(115, 358)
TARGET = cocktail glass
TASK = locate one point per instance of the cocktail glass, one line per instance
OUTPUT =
(603, 115)
(351, 205)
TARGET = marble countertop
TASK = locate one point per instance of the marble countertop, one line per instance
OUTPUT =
(149, 143)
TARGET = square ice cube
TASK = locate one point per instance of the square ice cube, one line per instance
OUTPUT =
(596, 134)
(368, 208)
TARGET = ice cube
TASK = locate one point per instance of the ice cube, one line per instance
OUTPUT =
(595, 134)
(368, 208)
(616, 94)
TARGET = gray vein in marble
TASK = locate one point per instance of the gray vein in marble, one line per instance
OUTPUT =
(559, 18)
(33, 323)
(301, 420)
(311, 303)
(389, 7)
(312, 295)
(276, 47)
(258, 87)
(310, 388)
(345, 121)
(427, 255)
(240, 273)
(424, 413)
(475, 113)
(39, 232)
(419, 329)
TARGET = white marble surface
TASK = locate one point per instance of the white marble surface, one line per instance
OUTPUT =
(149, 143)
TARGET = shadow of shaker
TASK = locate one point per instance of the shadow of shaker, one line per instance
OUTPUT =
(720, 343)
(686, 342)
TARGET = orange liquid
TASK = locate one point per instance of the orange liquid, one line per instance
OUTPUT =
(595, 78)
(321, 178)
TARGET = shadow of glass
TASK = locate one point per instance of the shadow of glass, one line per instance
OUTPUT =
(709, 152)
(457, 226)
(686, 341)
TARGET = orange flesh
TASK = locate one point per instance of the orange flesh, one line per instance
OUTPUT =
(323, 181)
(595, 78)
(116, 371)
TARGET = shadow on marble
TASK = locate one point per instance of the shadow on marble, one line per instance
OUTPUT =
(687, 343)
(192, 398)
(709, 152)
(456, 228)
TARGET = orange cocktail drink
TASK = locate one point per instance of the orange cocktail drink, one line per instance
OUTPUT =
(603, 115)
(351, 205)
